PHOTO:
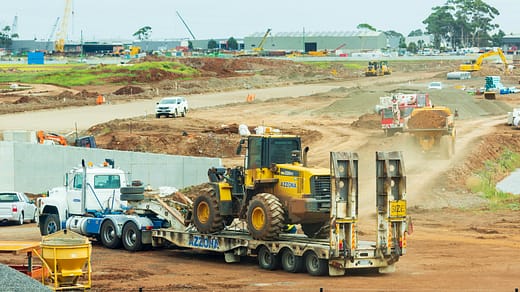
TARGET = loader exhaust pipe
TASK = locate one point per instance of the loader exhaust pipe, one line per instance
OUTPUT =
(304, 159)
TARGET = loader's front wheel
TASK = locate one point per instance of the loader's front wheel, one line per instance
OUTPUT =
(206, 214)
(265, 217)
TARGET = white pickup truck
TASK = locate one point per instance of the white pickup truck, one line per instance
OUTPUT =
(17, 207)
(171, 107)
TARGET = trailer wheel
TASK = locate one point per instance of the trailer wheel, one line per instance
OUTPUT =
(49, 223)
(267, 260)
(265, 217)
(316, 266)
(206, 213)
(109, 236)
(290, 262)
(131, 237)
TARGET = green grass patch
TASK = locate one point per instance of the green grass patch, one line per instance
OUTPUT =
(484, 181)
(81, 74)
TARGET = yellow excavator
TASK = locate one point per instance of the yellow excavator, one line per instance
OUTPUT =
(475, 65)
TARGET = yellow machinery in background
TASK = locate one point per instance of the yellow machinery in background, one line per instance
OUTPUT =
(433, 129)
(475, 65)
(66, 255)
(377, 68)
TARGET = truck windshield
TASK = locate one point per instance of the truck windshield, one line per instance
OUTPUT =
(107, 182)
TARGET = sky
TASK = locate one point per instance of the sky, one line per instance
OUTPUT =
(98, 20)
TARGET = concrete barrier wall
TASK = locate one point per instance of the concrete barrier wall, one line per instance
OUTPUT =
(35, 168)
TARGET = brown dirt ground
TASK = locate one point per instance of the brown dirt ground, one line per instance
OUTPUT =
(457, 243)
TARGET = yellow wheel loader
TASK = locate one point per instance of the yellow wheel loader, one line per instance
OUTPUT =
(274, 188)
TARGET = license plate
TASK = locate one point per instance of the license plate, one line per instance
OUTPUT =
(398, 208)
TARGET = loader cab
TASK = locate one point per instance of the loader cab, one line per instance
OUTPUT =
(263, 151)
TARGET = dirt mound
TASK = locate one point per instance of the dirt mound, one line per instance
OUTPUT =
(489, 148)
(23, 99)
(428, 119)
(129, 90)
(367, 121)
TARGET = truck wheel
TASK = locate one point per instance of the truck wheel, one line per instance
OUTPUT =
(265, 217)
(157, 116)
(20, 219)
(206, 213)
(183, 113)
(109, 236)
(316, 230)
(446, 147)
(316, 266)
(49, 223)
(290, 262)
(131, 237)
(267, 260)
(175, 114)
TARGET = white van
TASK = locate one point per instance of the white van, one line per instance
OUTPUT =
(171, 107)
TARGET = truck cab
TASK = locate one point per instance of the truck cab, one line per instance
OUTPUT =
(101, 192)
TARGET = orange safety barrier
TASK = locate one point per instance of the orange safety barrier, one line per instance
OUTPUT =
(250, 97)
(100, 99)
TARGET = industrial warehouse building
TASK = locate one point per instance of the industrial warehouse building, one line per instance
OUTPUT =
(358, 40)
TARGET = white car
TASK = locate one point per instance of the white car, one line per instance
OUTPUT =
(17, 207)
(171, 107)
(435, 85)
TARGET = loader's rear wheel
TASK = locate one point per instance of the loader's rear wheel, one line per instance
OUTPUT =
(206, 213)
(265, 217)
(316, 230)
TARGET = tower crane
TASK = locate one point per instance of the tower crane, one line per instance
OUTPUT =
(59, 45)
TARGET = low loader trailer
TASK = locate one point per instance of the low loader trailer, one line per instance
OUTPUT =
(154, 223)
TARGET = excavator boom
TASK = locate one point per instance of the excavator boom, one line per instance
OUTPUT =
(475, 65)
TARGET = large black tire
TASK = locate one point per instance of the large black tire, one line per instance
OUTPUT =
(183, 113)
(131, 190)
(131, 237)
(265, 217)
(49, 223)
(314, 265)
(446, 147)
(267, 260)
(316, 230)
(290, 262)
(206, 213)
(109, 235)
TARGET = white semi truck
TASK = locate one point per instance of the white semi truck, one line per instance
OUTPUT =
(138, 221)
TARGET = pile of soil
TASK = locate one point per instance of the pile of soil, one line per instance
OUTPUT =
(367, 121)
(129, 90)
(428, 119)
